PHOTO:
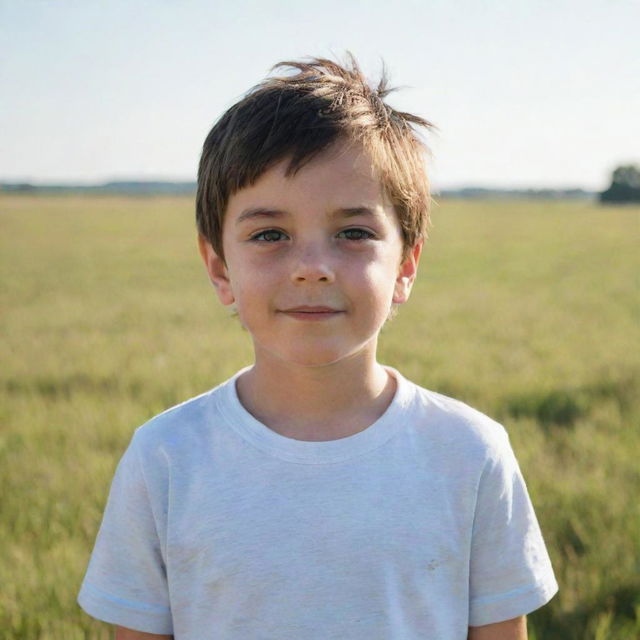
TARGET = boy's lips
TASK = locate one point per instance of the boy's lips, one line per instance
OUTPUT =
(305, 312)
(308, 309)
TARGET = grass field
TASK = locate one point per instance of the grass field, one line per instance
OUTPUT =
(528, 311)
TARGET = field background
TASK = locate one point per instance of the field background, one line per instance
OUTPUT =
(527, 310)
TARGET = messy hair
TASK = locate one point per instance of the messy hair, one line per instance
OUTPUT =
(297, 117)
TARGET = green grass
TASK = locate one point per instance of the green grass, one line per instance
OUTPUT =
(527, 310)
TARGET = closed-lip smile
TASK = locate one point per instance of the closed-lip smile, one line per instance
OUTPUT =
(306, 312)
(308, 309)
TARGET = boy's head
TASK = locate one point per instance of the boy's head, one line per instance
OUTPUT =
(297, 117)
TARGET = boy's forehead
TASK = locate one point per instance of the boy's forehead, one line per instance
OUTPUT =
(343, 179)
(341, 158)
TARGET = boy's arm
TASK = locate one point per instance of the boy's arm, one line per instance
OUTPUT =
(515, 629)
(122, 633)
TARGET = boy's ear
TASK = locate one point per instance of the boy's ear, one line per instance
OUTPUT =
(407, 274)
(217, 271)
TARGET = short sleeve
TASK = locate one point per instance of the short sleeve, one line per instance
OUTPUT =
(510, 572)
(125, 583)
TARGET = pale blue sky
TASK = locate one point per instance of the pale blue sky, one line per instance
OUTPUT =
(524, 92)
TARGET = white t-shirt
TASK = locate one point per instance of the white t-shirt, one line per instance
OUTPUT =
(218, 527)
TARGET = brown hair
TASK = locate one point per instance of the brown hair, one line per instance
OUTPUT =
(298, 116)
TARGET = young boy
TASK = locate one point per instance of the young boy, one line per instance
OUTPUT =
(316, 494)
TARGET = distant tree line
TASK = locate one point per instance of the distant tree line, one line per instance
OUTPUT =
(540, 194)
(129, 187)
(625, 185)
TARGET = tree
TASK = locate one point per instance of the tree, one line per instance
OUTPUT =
(625, 185)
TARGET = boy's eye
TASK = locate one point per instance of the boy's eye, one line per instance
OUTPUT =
(273, 235)
(269, 235)
(356, 234)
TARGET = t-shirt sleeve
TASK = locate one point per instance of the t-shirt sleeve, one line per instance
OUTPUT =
(510, 572)
(125, 583)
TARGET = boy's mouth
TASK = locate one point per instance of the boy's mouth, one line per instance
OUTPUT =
(305, 312)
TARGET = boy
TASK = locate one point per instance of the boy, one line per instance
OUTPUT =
(316, 494)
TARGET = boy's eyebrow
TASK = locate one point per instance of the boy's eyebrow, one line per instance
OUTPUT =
(259, 212)
(350, 212)
(263, 212)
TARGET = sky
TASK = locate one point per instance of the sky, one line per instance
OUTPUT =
(525, 93)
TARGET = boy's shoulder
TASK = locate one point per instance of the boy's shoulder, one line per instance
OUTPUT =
(457, 423)
(184, 421)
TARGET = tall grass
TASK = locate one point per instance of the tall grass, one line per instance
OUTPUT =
(527, 310)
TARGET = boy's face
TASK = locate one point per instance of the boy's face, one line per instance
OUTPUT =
(313, 261)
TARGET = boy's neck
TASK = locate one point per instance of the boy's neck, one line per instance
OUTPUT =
(316, 403)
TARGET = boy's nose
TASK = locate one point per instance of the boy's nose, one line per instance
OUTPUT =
(312, 265)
